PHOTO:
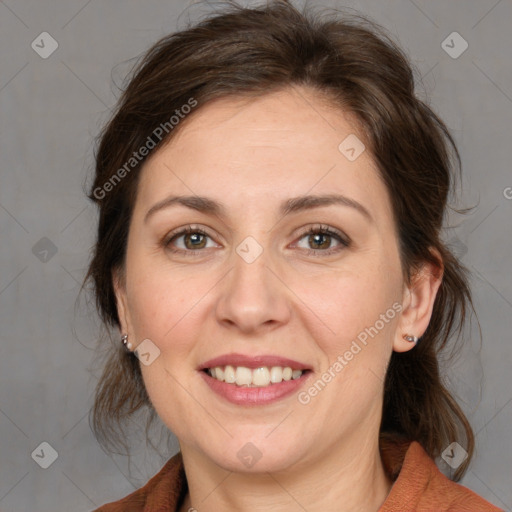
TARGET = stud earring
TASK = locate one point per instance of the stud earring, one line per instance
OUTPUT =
(124, 339)
(410, 338)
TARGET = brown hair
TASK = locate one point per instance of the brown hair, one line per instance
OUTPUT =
(354, 63)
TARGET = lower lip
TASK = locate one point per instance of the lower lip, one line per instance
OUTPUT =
(242, 395)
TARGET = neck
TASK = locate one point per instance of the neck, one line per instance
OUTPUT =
(348, 478)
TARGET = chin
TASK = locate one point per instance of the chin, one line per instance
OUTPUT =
(258, 455)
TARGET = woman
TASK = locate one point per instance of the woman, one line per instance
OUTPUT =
(271, 195)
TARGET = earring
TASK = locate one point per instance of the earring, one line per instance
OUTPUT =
(124, 339)
(410, 338)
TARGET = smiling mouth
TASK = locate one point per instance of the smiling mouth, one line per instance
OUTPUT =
(263, 376)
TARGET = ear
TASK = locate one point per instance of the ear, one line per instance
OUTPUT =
(118, 282)
(418, 303)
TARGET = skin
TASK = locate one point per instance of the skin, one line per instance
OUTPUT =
(293, 300)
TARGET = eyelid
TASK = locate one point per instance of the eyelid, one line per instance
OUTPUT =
(343, 239)
(324, 228)
(184, 230)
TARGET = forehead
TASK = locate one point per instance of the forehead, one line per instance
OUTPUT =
(286, 143)
(290, 118)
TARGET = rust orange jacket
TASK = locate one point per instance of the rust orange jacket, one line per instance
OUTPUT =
(418, 486)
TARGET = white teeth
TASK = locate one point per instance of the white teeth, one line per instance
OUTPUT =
(276, 374)
(287, 373)
(243, 376)
(229, 374)
(259, 377)
(219, 373)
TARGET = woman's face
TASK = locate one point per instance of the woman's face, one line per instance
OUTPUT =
(258, 285)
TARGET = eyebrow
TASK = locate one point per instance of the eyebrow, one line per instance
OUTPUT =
(295, 204)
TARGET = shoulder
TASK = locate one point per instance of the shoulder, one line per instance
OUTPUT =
(421, 487)
(163, 492)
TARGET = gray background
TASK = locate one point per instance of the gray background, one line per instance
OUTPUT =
(50, 111)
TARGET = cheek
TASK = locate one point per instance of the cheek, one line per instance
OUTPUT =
(165, 304)
(165, 310)
(347, 304)
(362, 314)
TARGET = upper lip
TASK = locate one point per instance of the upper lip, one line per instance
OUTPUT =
(256, 361)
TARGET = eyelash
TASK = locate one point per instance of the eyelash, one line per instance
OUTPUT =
(322, 229)
(333, 233)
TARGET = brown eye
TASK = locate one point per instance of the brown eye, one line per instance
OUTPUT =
(320, 241)
(194, 241)
(187, 241)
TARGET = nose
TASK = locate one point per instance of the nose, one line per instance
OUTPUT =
(253, 299)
